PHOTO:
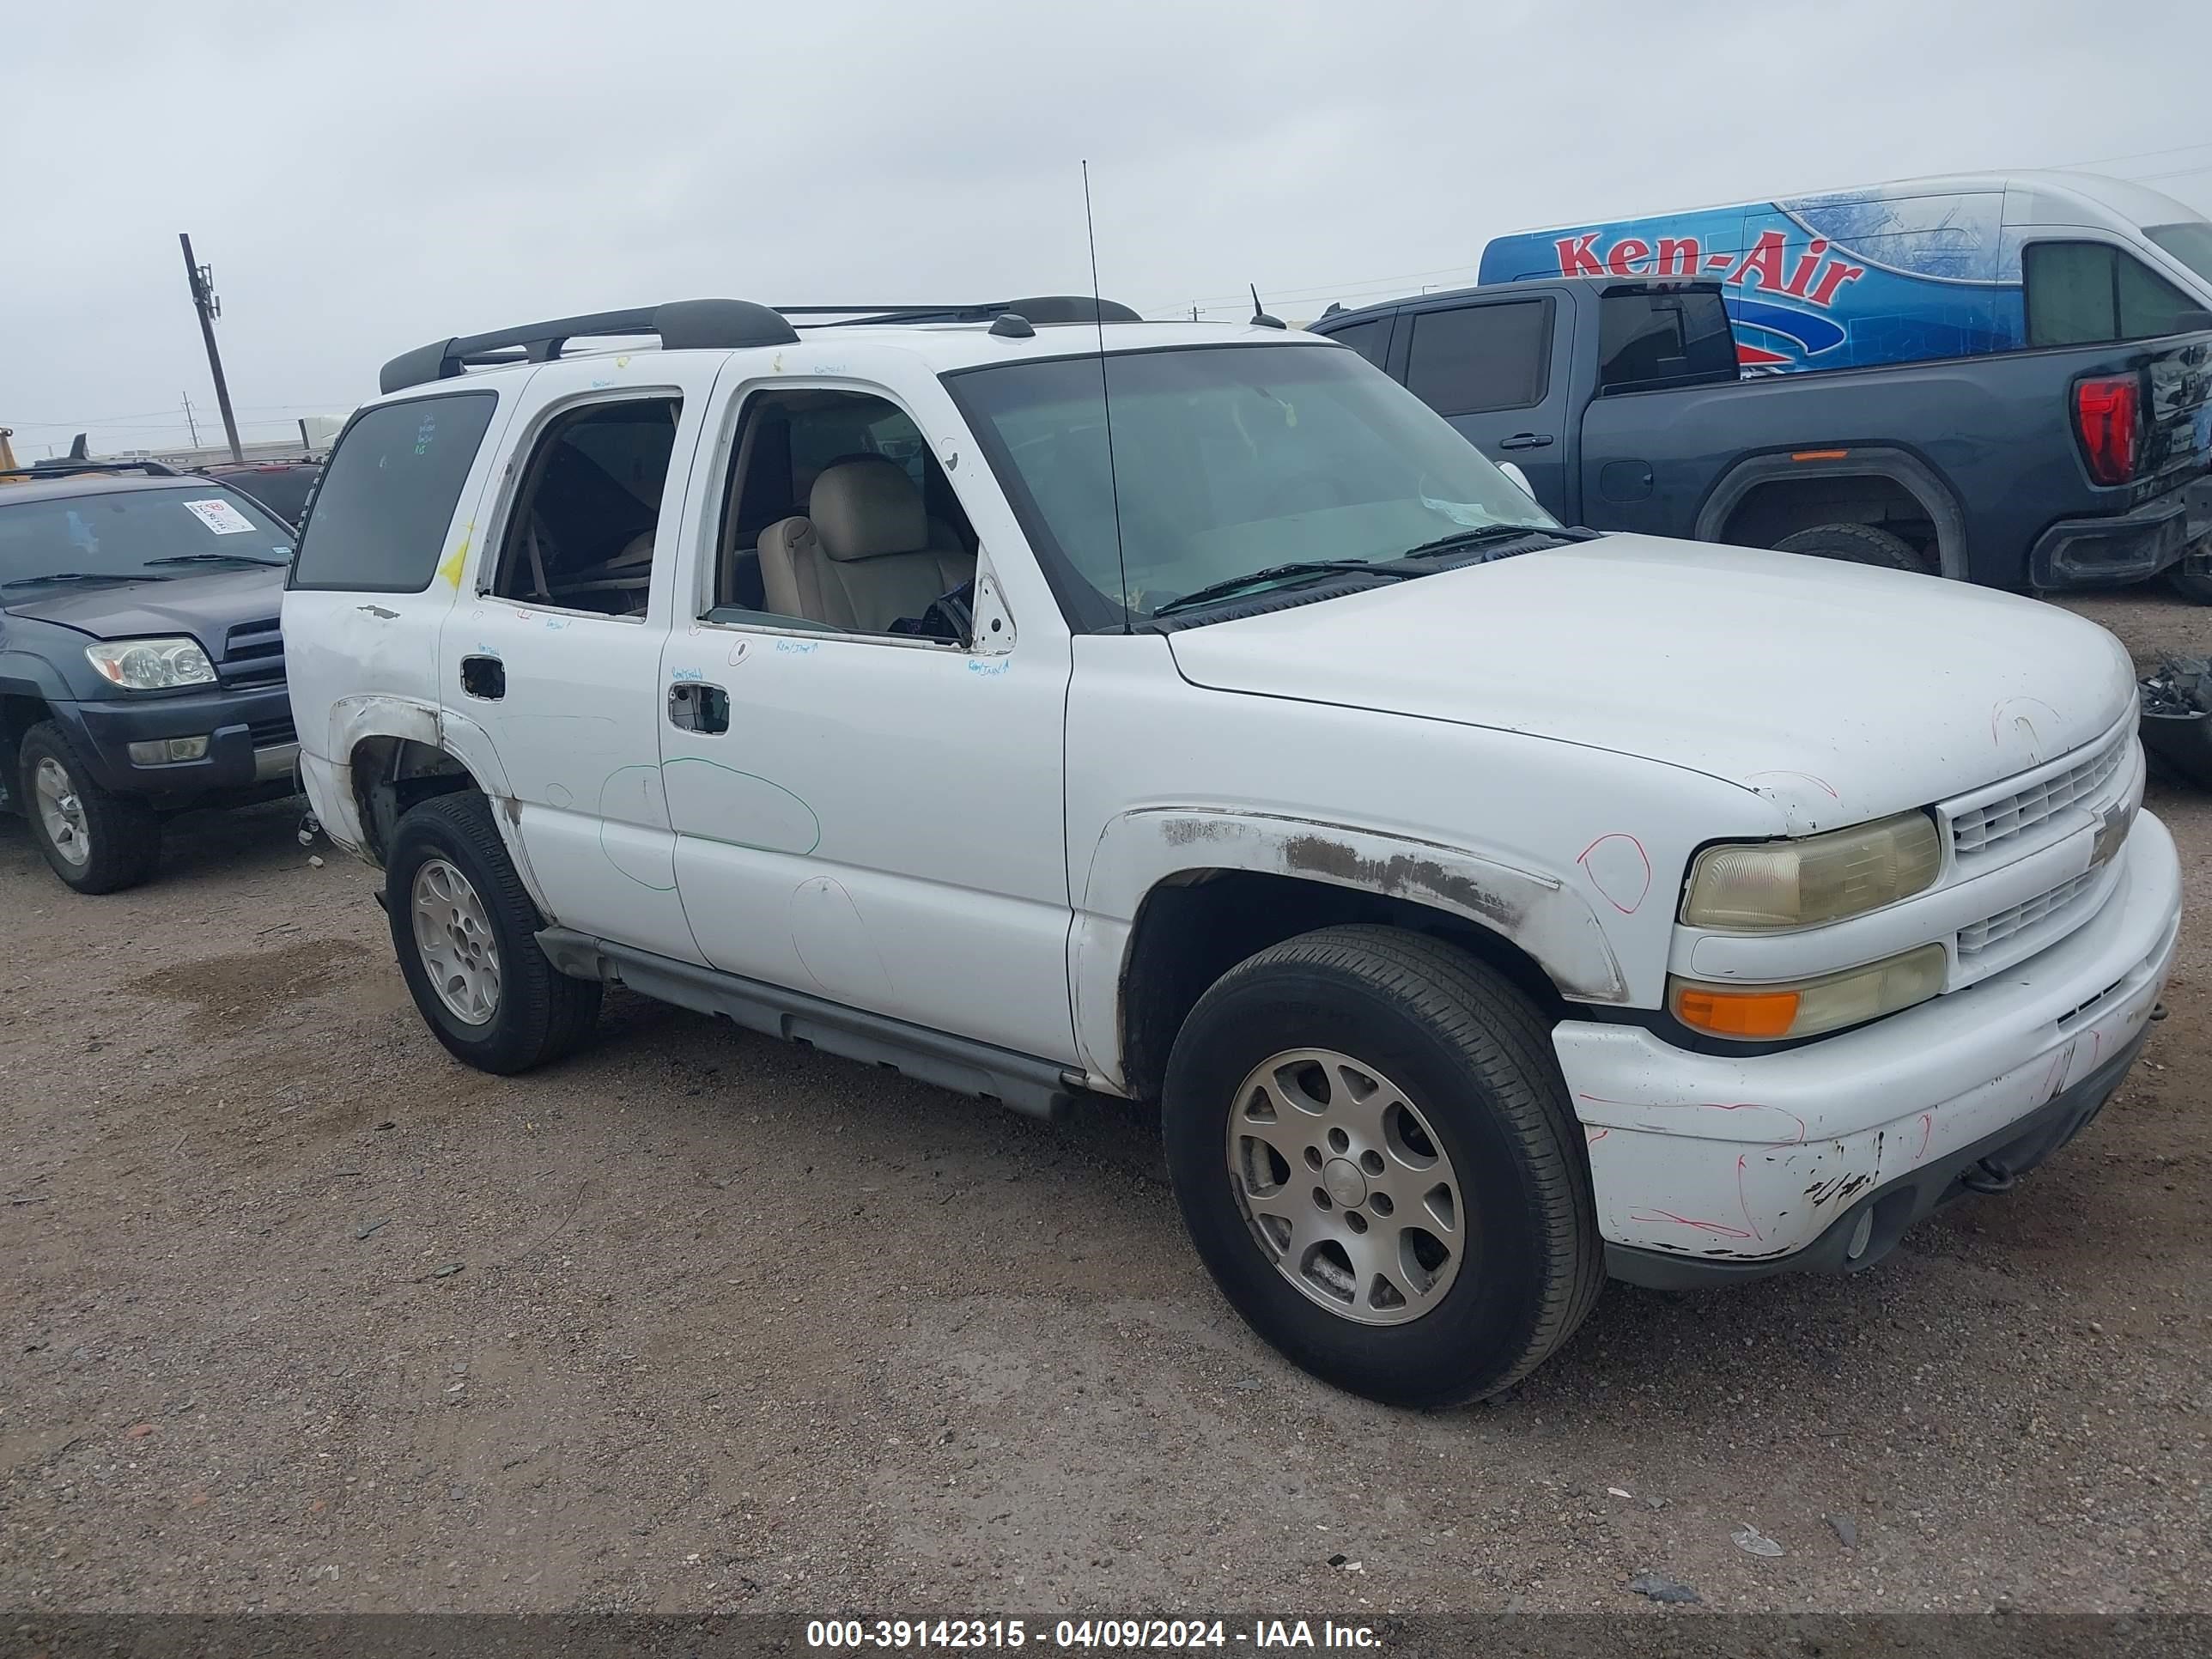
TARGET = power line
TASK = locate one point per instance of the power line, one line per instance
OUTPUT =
(2136, 155)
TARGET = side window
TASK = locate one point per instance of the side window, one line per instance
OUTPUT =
(1372, 340)
(1646, 340)
(1481, 357)
(581, 533)
(838, 517)
(2088, 293)
(387, 497)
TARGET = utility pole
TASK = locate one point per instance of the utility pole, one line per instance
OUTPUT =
(191, 424)
(210, 308)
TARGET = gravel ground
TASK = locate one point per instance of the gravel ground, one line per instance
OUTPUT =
(306, 1316)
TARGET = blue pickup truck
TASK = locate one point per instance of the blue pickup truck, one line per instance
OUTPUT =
(1622, 403)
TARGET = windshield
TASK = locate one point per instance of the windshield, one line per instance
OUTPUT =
(123, 532)
(1227, 460)
(2190, 242)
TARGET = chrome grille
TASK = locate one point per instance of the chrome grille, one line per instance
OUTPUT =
(1980, 828)
(1994, 930)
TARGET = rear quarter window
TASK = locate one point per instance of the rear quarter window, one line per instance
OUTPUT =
(388, 494)
(1648, 339)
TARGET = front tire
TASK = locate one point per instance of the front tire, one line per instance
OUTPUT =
(464, 931)
(96, 841)
(1373, 1151)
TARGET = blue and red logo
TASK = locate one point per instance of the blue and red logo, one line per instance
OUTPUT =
(1807, 284)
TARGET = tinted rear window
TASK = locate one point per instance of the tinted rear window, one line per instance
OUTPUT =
(1372, 340)
(1662, 339)
(2090, 293)
(388, 494)
(1480, 357)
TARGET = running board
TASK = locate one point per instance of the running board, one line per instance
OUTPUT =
(1027, 1084)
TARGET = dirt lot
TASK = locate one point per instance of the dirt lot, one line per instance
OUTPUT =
(306, 1316)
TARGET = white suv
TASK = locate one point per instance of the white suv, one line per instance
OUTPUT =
(1039, 700)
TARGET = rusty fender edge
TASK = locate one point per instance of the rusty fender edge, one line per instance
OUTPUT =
(1537, 912)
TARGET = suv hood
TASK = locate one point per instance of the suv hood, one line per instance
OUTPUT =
(207, 605)
(1839, 691)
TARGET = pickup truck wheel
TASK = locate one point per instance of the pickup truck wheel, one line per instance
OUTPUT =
(1372, 1148)
(464, 931)
(96, 841)
(2193, 578)
(1858, 543)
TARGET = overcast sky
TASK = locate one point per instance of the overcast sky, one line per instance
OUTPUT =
(366, 177)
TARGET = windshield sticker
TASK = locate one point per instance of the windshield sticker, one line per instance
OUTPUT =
(220, 516)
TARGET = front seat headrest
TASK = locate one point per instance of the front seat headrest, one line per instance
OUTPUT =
(866, 509)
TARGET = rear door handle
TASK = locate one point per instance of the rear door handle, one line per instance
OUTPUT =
(1525, 441)
(483, 677)
(696, 706)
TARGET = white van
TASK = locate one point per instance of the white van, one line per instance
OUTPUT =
(1910, 270)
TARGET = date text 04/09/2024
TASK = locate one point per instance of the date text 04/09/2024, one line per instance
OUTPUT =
(1133, 1634)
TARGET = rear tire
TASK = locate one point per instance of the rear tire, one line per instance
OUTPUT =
(1857, 543)
(464, 931)
(2192, 579)
(96, 841)
(1371, 1024)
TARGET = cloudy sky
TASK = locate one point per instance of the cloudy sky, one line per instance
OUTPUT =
(365, 177)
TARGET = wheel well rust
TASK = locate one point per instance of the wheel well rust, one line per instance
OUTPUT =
(390, 774)
(1197, 924)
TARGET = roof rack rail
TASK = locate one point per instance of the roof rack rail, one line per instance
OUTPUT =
(685, 325)
(73, 469)
(681, 324)
(1040, 308)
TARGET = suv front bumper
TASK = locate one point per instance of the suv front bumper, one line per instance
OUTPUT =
(1707, 1167)
(249, 733)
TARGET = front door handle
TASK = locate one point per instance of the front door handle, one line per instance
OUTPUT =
(1525, 441)
(696, 706)
(483, 677)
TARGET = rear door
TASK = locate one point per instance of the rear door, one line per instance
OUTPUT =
(553, 655)
(1496, 369)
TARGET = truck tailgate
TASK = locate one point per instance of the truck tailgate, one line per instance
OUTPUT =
(2177, 420)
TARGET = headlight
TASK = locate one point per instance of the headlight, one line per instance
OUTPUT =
(1766, 1013)
(152, 664)
(1801, 883)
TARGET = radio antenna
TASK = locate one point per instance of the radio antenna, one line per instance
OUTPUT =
(1106, 398)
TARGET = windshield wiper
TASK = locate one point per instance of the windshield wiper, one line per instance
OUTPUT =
(1476, 536)
(1276, 573)
(220, 558)
(84, 577)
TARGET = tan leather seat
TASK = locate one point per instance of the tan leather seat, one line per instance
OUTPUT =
(865, 554)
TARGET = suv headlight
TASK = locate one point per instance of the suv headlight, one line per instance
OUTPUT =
(151, 665)
(1801, 883)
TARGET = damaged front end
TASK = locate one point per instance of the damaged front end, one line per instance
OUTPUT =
(2176, 719)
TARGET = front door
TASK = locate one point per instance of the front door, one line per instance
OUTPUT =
(1496, 369)
(860, 814)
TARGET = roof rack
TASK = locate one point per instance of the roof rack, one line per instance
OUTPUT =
(74, 469)
(726, 324)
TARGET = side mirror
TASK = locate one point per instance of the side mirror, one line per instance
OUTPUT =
(2191, 322)
(1519, 478)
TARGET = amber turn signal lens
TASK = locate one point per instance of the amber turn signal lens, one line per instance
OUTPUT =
(1760, 1013)
(1753, 1014)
